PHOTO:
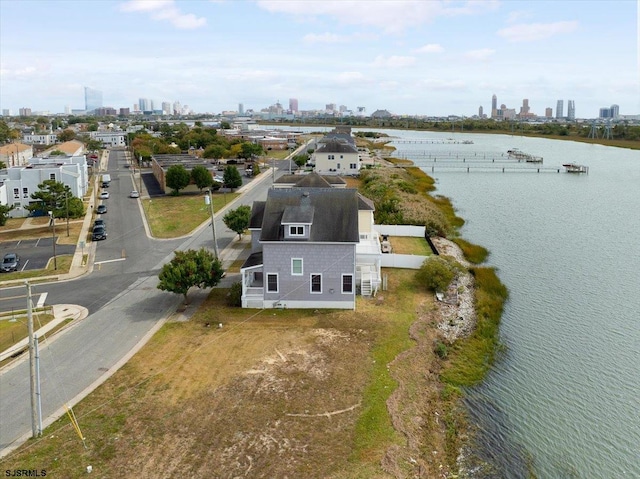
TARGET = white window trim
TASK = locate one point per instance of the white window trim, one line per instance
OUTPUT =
(342, 284)
(301, 267)
(277, 283)
(311, 291)
(291, 227)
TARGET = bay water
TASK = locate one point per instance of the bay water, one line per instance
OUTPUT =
(563, 399)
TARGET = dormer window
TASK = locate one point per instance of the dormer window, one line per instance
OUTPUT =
(296, 230)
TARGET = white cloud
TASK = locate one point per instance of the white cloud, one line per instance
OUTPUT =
(536, 31)
(393, 61)
(350, 78)
(325, 38)
(392, 16)
(481, 55)
(165, 10)
(430, 48)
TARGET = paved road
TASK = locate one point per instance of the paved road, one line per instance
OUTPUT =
(124, 305)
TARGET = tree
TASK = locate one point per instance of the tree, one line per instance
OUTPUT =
(238, 220)
(214, 151)
(201, 176)
(231, 177)
(437, 272)
(4, 213)
(177, 178)
(190, 268)
(301, 160)
(248, 150)
(53, 196)
(66, 135)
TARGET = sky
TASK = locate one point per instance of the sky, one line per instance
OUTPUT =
(427, 57)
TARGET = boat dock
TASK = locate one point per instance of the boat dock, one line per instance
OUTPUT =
(575, 168)
(522, 156)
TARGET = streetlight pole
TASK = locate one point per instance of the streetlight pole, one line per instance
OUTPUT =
(209, 201)
(32, 366)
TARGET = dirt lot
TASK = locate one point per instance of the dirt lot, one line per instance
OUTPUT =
(271, 394)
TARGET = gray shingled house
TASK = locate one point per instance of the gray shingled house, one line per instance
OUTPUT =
(308, 250)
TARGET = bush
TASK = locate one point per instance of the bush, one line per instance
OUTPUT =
(234, 297)
(437, 272)
(441, 350)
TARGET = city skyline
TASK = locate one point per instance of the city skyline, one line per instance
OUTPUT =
(416, 58)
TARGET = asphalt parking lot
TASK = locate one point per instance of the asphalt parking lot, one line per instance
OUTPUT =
(34, 253)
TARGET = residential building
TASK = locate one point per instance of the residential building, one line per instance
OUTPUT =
(20, 182)
(336, 156)
(46, 139)
(16, 154)
(110, 139)
(304, 249)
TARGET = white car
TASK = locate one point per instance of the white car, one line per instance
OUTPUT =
(104, 195)
(134, 194)
(218, 179)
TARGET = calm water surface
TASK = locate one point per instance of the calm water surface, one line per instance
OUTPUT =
(565, 396)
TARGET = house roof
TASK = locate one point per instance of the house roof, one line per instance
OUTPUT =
(257, 212)
(11, 148)
(333, 213)
(312, 180)
(365, 204)
(336, 146)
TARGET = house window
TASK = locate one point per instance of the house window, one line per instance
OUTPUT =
(353, 166)
(347, 283)
(338, 166)
(341, 156)
(272, 282)
(296, 266)
(16, 193)
(316, 283)
(52, 176)
(331, 157)
(25, 192)
(296, 230)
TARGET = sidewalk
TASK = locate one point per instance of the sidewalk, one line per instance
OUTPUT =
(61, 313)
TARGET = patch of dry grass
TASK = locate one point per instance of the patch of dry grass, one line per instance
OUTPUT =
(410, 245)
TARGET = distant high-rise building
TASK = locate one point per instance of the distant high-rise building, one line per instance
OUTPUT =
(24, 111)
(571, 110)
(6, 112)
(166, 108)
(612, 112)
(293, 105)
(67, 110)
(330, 107)
(145, 104)
(494, 106)
(124, 112)
(480, 112)
(615, 111)
(177, 108)
(362, 111)
(548, 112)
(560, 109)
(240, 109)
(92, 99)
(524, 109)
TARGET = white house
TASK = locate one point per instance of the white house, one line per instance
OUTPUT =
(18, 183)
(47, 139)
(109, 139)
(336, 156)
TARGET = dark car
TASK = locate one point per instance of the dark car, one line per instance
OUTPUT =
(10, 262)
(101, 209)
(99, 222)
(99, 233)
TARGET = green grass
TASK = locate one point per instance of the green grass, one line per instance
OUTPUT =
(175, 216)
(471, 358)
(374, 430)
(13, 327)
(473, 253)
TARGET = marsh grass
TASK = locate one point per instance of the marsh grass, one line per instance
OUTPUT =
(475, 254)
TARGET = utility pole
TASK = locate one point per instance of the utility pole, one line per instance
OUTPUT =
(32, 365)
(66, 202)
(209, 201)
(53, 225)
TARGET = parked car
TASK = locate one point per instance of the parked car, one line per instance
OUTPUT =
(99, 233)
(134, 194)
(104, 195)
(10, 262)
(101, 209)
(218, 179)
(99, 222)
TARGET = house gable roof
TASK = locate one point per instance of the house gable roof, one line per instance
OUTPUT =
(312, 180)
(333, 213)
(336, 146)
